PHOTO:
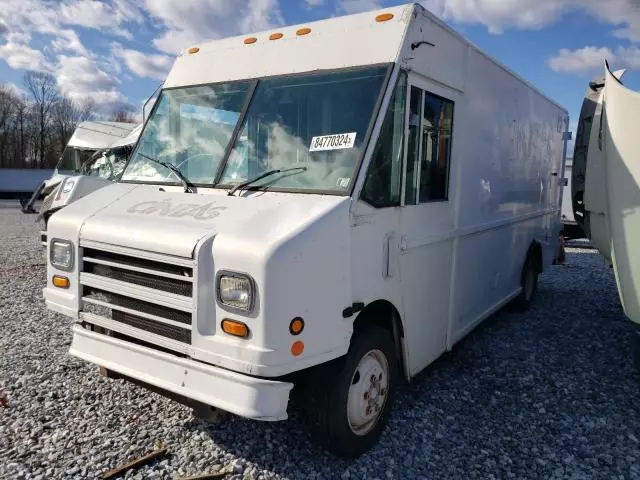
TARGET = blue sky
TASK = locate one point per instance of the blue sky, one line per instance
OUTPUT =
(118, 51)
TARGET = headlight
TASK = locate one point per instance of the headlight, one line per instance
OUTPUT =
(235, 291)
(66, 186)
(61, 254)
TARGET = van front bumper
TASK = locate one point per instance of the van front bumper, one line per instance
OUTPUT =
(243, 395)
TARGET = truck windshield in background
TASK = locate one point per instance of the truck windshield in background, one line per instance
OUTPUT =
(108, 164)
(317, 121)
(73, 158)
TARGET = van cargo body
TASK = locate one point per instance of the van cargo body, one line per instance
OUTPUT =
(345, 200)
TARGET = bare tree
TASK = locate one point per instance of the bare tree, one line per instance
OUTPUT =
(20, 130)
(35, 127)
(44, 92)
(7, 104)
(65, 118)
(87, 109)
(123, 114)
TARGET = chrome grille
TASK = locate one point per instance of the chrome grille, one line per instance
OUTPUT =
(144, 298)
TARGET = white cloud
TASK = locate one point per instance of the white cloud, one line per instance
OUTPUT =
(357, 6)
(591, 59)
(497, 15)
(262, 15)
(144, 64)
(192, 21)
(581, 60)
(68, 41)
(88, 13)
(80, 78)
(101, 15)
(20, 56)
(79, 73)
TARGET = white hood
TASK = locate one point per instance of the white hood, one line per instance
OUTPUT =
(145, 218)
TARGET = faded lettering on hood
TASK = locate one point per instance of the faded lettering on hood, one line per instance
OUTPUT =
(165, 208)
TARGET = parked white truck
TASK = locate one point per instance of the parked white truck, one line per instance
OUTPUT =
(329, 206)
(606, 183)
(103, 167)
(88, 138)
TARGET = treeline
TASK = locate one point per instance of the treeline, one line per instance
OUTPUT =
(36, 126)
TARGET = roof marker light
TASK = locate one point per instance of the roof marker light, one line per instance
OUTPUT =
(194, 50)
(276, 36)
(383, 17)
(303, 31)
(250, 40)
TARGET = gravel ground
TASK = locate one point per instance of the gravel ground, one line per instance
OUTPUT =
(547, 394)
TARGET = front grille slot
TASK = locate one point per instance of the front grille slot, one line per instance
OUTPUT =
(129, 261)
(116, 300)
(171, 285)
(169, 331)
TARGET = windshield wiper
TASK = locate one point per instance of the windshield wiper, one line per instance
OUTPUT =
(174, 169)
(268, 173)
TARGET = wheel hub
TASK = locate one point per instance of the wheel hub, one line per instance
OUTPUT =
(368, 392)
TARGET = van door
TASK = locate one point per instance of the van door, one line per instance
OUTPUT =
(427, 220)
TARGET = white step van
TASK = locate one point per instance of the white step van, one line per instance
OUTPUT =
(330, 205)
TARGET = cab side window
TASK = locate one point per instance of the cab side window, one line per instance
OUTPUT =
(429, 148)
(437, 122)
(383, 184)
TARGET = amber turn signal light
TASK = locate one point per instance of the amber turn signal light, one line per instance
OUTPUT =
(61, 282)
(237, 329)
(383, 17)
(296, 326)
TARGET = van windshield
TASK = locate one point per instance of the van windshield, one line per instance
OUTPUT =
(317, 121)
(190, 128)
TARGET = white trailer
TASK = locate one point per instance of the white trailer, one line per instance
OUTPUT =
(338, 204)
(103, 167)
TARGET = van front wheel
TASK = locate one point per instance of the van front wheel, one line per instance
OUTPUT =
(348, 404)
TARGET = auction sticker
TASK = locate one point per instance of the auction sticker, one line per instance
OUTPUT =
(333, 142)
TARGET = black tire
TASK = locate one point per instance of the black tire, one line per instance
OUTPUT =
(327, 392)
(529, 283)
(636, 349)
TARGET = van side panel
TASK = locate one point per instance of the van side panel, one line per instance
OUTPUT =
(506, 164)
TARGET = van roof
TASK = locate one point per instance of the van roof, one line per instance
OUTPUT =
(329, 44)
(333, 43)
